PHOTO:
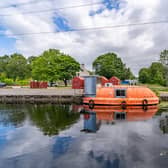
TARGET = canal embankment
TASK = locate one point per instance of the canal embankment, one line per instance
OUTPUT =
(164, 96)
(51, 95)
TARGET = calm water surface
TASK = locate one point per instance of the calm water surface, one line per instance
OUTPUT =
(48, 136)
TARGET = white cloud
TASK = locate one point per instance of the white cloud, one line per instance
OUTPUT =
(138, 46)
(23, 141)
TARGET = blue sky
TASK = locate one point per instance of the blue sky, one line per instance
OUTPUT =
(7, 45)
(108, 4)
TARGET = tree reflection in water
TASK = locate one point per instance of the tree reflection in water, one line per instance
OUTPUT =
(12, 115)
(50, 119)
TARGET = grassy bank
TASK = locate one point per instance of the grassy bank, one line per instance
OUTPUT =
(156, 88)
(163, 107)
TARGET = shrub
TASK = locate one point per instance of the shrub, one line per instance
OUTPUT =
(8, 81)
(22, 82)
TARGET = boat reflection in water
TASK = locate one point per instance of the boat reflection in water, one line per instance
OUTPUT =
(93, 118)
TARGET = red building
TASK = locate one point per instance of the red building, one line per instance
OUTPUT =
(114, 80)
(77, 83)
(36, 84)
(103, 80)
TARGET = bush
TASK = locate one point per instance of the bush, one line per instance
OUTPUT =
(153, 75)
(2, 77)
(22, 82)
(8, 81)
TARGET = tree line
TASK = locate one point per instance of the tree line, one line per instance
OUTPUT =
(157, 73)
(53, 65)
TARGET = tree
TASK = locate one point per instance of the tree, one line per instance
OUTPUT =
(29, 63)
(31, 59)
(157, 73)
(164, 62)
(17, 67)
(144, 75)
(3, 63)
(154, 74)
(68, 68)
(109, 65)
(128, 74)
(53, 65)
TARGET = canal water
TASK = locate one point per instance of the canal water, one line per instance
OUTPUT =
(58, 136)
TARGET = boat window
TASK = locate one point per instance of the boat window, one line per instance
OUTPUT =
(120, 92)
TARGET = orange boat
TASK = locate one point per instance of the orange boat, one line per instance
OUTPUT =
(123, 96)
(94, 118)
(132, 113)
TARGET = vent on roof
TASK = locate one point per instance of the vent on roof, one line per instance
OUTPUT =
(108, 84)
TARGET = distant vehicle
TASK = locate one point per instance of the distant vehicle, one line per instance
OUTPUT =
(52, 84)
(2, 84)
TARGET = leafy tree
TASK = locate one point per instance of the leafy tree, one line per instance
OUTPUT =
(128, 74)
(144, 75)
(3, 63)
(29, 63)
(154, 74)
(17, 67)
(68, 68)
(31, 59)
(53, 65)
(157, 73)
(164, 61)
(109, 65)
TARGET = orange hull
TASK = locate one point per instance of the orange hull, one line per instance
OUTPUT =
(135, 96)
(132, 114)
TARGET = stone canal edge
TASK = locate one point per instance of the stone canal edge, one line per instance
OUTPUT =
(53, 95)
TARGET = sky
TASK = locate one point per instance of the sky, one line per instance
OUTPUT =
(138, 46)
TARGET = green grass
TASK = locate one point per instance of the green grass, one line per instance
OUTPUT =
(163, 107)
(156, 88)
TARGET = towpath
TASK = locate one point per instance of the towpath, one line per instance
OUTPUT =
(52, 91)
(51, 95)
